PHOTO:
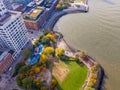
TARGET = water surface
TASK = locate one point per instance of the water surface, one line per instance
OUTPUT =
(98, 33)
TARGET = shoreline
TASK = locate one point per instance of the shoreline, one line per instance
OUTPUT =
(100, 76)
(50, 25)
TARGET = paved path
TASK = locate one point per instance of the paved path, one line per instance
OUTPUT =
(50, 23)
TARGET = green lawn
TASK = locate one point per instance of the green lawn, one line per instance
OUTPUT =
(75, 78)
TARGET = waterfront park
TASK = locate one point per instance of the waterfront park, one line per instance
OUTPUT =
(52, 64)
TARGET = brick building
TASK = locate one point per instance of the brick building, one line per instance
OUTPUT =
(6, 60)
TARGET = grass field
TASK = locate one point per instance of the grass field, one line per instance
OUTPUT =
(75, 78)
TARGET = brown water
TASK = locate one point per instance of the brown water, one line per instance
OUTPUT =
(98, 33)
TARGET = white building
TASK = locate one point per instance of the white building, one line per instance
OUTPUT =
(2, 8)
(7, 4)
(12, 30)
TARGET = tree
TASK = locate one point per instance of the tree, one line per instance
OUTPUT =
(27, 83)
(36, 42)
(31, 72)
(44, 68)
(53, 83)
(45, 40)
(45, 32)
(18, 80)
(37, 70)
(59, 51)
(51, 36)
(41, 36)
(37, 84)
(64, 57)
(58, 6)
(49, 51)
(24, 69)
(17, 68)
(64, 6)
(27, 52)
(22, 76)
(43, 58)
(44, 88)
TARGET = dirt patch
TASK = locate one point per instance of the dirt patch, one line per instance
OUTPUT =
(60, 71)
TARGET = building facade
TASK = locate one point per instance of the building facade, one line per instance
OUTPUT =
(2, 8)
(34, 20)
(13, 31)
(7, 4)
(6, 60)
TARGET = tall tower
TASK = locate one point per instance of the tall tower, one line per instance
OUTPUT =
(12, 30)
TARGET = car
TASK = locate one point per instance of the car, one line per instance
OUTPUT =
(10, 69)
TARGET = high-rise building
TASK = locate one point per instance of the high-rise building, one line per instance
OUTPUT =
(7, 4)
(12, 30)
(2, 8)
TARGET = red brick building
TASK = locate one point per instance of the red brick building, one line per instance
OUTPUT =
(6, 60)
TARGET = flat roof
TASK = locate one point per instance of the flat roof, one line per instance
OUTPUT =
(35, 13)
(7, 16)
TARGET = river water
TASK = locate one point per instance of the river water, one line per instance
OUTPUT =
(98, 33)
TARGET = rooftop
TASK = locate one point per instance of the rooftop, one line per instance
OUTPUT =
(6, 17)
(33, 13)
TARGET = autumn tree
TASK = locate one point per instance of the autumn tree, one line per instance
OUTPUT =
(59, 51)
(49, 51)
(43, 58)
(37, 70)
(36, 42)
(58, 6)
(51, 36)
(53, 83)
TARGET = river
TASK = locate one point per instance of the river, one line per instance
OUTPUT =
(98, 33)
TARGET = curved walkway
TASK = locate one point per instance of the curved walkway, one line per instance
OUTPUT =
(55, 17)
(51, 22)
